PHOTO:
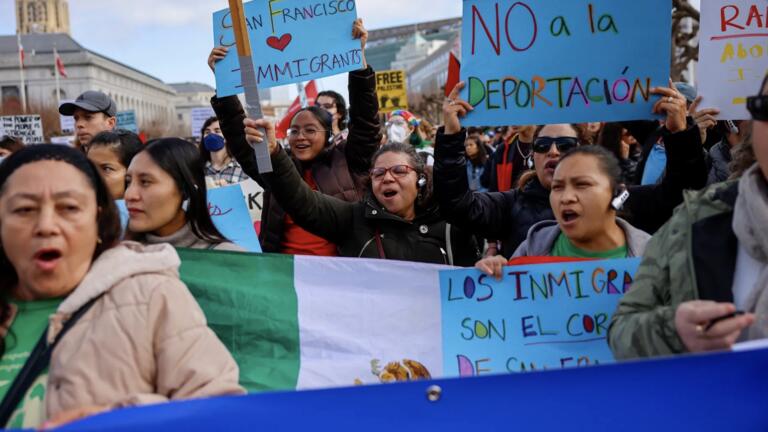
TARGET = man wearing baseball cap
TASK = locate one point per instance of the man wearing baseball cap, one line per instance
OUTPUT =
(94, 112)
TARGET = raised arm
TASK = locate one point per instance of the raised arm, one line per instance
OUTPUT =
(651, 206)
(322, 215)
(484, 213)
(364, 125)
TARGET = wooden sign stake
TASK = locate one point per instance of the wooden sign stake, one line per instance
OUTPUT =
(248, 77)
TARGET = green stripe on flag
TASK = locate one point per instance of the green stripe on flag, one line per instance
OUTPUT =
(250, 302)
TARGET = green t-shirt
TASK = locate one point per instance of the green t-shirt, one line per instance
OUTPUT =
(564, 248)
(29, 324)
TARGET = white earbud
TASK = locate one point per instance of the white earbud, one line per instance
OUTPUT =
(619, 201)
(185, 205)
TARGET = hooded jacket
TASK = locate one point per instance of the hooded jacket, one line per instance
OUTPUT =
(693, 257)
(542, 237)
(145, 340)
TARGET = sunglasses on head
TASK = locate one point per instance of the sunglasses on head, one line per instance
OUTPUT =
(563, 144)
(758, 107)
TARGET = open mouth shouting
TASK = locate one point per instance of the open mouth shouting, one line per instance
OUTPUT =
(551, 165)
(389, 194)
(569, 217)
(47, 259)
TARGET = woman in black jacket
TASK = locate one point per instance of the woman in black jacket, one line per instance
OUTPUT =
(336, 170)
(509, 215)
(396, 219)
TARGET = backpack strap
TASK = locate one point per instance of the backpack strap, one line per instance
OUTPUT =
(38, 360)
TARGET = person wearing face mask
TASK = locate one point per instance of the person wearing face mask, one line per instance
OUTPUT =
(396, 219)
(509, 215)
(221, 169)
(400, 125)
(586, 195)
(339, 170)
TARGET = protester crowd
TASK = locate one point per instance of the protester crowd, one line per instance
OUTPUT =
(687, 193)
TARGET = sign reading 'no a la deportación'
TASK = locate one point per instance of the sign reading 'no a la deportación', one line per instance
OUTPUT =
(292, 41)
(543, 61)
(543, 316)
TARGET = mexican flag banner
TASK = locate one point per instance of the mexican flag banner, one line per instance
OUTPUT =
(313, 322)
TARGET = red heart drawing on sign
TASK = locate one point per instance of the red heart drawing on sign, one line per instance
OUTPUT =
(279, 43)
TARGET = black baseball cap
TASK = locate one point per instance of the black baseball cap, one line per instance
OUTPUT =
(93, 101)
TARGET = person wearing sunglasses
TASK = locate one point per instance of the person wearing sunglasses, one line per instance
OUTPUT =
(338, 170)
(587, 192)
(703, 284)
(508, 216)
(396, 220)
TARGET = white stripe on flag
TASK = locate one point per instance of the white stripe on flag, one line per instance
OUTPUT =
(353, 311)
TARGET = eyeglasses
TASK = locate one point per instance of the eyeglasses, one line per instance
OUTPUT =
(758, 107)
(563, 144)
(308, 132)
(398, 171)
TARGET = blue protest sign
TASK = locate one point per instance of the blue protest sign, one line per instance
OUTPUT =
(541, 62)
(543, 316)
(292, 41)
(229, 213)
(127, 120)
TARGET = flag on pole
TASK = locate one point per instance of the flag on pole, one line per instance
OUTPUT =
(282, 127)
(60, 64)
(21, 50)
(454, 72)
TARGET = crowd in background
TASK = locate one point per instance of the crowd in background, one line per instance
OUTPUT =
(687, 193)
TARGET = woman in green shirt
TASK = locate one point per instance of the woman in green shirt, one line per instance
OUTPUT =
(586, 196)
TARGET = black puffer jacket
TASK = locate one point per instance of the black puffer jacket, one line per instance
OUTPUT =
(365, 228)
(509, 215)
(339, 171)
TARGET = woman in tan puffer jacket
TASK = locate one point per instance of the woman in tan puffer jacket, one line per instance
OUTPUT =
(143, 339)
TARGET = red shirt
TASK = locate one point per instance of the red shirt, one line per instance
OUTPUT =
(298, 241)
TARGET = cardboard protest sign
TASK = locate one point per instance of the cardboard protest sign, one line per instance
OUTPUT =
(229, 213)
(542, 61)
(29, 128)
(292, 41)
(392, 88)
(542, 316)
(127, 120)
(253, 194)
(199, 116)
(733, 55)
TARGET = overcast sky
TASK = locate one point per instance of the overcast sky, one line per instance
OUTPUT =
(171, 39)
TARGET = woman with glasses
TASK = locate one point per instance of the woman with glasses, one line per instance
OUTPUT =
(703, 284)
(509, 215)
(396, 220)
(335, 170)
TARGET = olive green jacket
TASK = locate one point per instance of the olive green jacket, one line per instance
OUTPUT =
(692, 257)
